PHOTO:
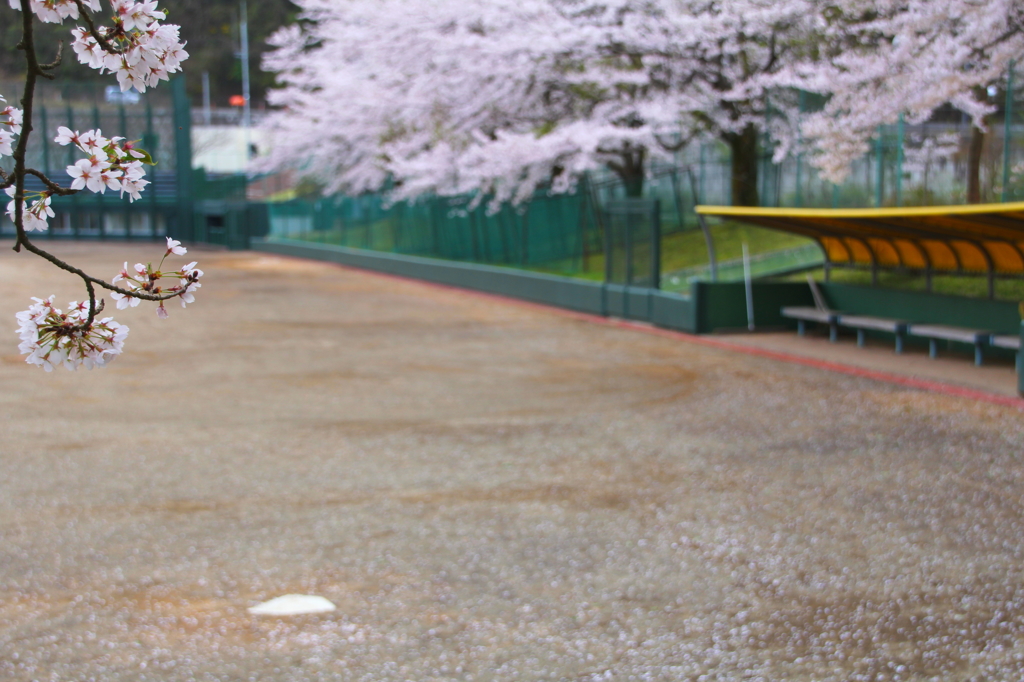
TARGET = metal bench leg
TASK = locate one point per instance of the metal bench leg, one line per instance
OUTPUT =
(933, 348)
(899, 344)
(801, 327)
(833, 333)
(977, 355)
(860, 338)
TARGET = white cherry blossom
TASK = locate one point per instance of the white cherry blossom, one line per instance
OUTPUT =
(147, 51)
(124, 300)
(175, 247)
(34, 217)
(51, 338)
(112, 163)
(143, 277)
(10, 127)
(66, 136)
(85, 175)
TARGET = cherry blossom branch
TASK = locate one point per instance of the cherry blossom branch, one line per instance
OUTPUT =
(94, 309)
(89, 280)
(49, 336)
(51, 185)
(100, 39)
(55, 63)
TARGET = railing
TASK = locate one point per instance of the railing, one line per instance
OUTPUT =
(761, 265)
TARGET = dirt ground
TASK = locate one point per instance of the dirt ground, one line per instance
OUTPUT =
(996, 376)
(488, 491)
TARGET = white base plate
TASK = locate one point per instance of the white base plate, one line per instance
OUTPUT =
(293, 605)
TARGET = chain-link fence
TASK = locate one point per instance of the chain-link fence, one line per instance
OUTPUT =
(632, 230)
(558, 230)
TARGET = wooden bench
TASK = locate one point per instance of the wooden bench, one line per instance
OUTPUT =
(805, 314)
(864, 322)
(979, 338)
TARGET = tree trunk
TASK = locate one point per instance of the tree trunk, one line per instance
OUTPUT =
(744, 159)
(631, 170)
(974, 150)
(634, 185)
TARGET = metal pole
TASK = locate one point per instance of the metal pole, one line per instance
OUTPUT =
(899, 163)
(880, 169)
(762, 160)
(799, 155)
(698, 197)
(77, 218)
(608, 245)
(151, 142)
(246, 112)
(207, 115)
(45, 140)
(1007, 131)
(799, 181)
(677, 198)
(749, 287)
(712, 260)
(656, 246)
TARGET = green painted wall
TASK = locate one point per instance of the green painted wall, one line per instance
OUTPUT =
(671, 311)
(997, 316)
(723, 305)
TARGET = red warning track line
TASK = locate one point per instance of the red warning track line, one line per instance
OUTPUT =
(899, 379)
(851, 370)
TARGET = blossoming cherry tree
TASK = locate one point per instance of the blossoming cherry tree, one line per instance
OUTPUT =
(140, 51)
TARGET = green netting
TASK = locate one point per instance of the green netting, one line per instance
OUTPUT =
(560, 230)
(632, 253)
(1005, 162)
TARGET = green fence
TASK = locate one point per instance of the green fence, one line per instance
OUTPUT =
(180, 201)
(557, 230)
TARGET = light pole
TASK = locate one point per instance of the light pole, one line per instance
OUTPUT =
(244, 56)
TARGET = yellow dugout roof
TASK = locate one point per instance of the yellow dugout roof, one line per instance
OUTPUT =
(986, 238)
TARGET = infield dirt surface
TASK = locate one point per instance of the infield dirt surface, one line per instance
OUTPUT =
(487, 491)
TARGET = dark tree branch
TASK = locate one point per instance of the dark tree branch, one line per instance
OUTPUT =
(27, 45)
(51, 185)
(672, 146)
(102, 40)
(89, 279)
(57, 60)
